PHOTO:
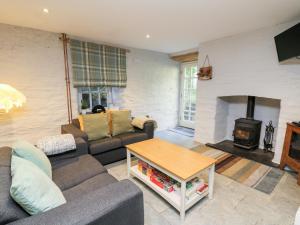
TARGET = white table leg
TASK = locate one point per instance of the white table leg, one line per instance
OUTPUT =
(211, 181)
(182, 202)
(128, 163)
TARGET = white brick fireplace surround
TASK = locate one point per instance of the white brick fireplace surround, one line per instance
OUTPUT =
(230, 108)
(247, 64)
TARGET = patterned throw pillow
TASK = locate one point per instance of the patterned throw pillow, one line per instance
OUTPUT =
(32, 189)
(57, 144)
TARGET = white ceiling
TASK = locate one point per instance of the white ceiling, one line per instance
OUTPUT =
(174, 25)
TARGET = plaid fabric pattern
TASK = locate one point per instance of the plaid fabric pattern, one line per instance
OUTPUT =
(97, 65)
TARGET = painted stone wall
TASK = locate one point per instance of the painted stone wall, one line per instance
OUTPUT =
(32, 61)
(247, 64)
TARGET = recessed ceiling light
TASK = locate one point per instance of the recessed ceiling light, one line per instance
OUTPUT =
(45, 10)
(148, 36)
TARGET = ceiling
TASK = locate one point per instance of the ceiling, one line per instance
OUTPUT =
(174, 25)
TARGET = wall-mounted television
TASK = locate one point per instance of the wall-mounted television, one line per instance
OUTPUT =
(288, 45)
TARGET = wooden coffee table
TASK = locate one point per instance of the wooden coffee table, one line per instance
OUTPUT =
(177, 162)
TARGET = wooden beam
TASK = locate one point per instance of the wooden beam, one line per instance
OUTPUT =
(188, 57)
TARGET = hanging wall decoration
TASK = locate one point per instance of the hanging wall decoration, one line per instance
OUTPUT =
(205, 72)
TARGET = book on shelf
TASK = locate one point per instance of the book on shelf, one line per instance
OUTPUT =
(193, 187)
(202, 189)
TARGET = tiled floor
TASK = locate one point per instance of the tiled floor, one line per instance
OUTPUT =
(233, 203)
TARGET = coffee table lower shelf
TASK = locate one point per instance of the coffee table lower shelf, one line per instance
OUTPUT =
(177, 200)
(172, 197)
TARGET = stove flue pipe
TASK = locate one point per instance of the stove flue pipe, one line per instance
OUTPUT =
(250, 107)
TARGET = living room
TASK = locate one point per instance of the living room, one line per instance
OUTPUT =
(176, 96)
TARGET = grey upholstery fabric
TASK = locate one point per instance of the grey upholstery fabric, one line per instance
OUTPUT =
(9, 210)
(118, 203)
(111, 156)
(76, 123)
(93, 197)
(103, 145)
(129, 138)
(81, 149)
(71, 129)
(148, 129)
(5, 156)
(81, 146)
(81, 169)
(89, 185)
(109, 150)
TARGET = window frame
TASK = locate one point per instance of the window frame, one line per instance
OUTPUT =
(90, 91)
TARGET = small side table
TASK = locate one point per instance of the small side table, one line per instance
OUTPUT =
(286, 160)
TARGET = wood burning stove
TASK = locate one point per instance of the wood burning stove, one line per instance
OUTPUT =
(247, 130)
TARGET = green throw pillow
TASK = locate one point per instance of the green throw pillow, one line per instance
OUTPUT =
(95, 125)
(25, 150)
(121, 122)
(32, 189)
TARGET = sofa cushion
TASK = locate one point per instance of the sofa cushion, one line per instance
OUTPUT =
(111, 156)
(9, 209)
(121, 122)
(89, 185)
(130, 138)
(32, 189)
(95, 125)
(25, 150)
(104, 145)
(76, 170)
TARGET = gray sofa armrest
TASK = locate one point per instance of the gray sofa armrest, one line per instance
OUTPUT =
(148, 129)
(118, 203)
(71, 129)
(81, 146)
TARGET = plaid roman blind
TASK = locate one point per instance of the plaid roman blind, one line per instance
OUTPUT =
(97, 65)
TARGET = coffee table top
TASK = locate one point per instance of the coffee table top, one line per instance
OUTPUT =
(179, 161)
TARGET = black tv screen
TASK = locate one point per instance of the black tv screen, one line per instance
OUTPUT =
(288, 43)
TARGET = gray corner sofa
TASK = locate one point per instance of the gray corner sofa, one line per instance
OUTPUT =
(93, 196)
(111, 149)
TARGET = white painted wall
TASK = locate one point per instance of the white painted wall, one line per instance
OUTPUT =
(152, 88)
(247, 64)
(32, 61)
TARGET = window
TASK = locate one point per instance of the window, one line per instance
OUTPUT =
(88, 97)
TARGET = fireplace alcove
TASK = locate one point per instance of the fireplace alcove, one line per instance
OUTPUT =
(231, 108)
